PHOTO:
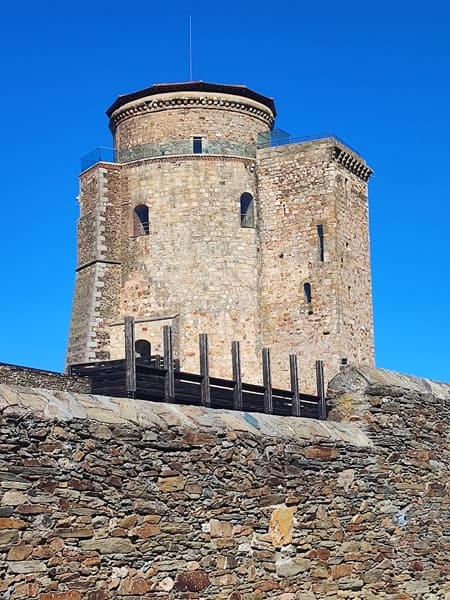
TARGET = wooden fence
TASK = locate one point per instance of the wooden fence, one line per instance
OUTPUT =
(158, 378)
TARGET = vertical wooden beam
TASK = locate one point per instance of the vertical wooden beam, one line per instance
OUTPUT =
(267, 381)
(205, 390)
(236, 362)
(293, 367)
(169, 378)
(321, 390)
(130, 358)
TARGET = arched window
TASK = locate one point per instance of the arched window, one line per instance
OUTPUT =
(143, 348)
(141, 220)
(308, 297)
(247, 210)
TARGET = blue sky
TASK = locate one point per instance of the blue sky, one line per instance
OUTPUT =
(376, 74)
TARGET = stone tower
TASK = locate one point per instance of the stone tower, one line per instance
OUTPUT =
(200, 222)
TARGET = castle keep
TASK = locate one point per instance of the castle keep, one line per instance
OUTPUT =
(201, 222)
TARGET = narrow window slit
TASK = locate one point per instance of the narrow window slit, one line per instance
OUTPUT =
(321, 243)
(308, 297)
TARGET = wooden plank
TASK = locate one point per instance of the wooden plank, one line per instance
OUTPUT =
(322, 407)
(169, 378)
(293, 367)
(204, 370)
(267, 381)
(130, 358)
(237, 378)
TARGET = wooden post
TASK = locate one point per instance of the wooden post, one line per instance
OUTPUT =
(293, 365)
(321, 390)
(169, 378)
(267, 381)
(130, 358)
(236, 361)
(205, 390)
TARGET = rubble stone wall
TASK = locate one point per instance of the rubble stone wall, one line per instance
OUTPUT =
(107, 499)
(37, 378)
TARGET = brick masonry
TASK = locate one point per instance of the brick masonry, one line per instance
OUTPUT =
(198, 269)
(104, 499)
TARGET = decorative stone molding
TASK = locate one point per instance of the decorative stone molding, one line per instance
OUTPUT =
(351, 163)
(188, 157)
(190, 100)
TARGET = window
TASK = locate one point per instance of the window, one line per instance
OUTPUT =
(320, 242)
(247, 210)
(197, 145)
(141, 220)
(143, 348)
(308, 297)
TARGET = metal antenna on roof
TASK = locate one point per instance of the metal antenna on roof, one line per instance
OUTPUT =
(190, 48)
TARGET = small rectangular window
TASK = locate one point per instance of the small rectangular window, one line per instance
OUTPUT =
(197, 145)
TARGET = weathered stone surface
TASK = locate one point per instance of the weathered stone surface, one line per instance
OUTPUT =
(270, 521)
(281, 525)
(109, 546)
(27, 566)
(19, 552)
(220, 528)
(192, 581)
(12, 523)
(71, 595)
(290, 567)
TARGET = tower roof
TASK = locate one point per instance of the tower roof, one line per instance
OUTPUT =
(193, 86)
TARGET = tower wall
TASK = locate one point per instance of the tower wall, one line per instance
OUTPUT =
(178, 116)
(197, 267)
(301, 188)
(97, 282)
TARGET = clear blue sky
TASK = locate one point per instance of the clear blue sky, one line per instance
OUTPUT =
(375, 73)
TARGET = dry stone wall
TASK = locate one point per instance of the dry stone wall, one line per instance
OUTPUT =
(108, 499)
(38, 378)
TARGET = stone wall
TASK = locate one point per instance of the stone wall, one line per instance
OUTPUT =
(197, 264)
(107, 499)
(301, 187)
(161, 118)
(97, 282)
(37, 378)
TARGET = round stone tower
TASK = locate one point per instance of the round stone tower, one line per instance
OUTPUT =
(167, 230)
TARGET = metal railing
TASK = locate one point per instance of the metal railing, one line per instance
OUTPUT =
(275, 138)
(185, 147)
(100, 154)
(167, 148)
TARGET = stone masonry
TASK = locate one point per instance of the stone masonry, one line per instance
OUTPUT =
(110, 499)
(298, 281)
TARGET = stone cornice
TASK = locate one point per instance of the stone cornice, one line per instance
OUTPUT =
(351, 163)
(180, 100)
(187, 158)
